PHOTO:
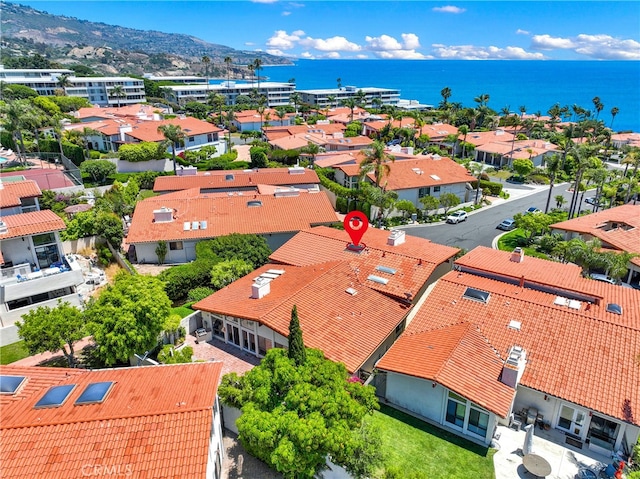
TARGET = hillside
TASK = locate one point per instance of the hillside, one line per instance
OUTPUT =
(111, 49)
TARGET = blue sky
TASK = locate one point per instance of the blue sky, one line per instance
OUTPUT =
(522, 30)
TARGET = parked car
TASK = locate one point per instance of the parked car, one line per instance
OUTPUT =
(595, 201)
(457, 217)
(507, 225)
(533, 209)
(602, 277)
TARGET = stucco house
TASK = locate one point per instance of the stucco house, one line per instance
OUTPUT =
(152, 422)
(504, 333)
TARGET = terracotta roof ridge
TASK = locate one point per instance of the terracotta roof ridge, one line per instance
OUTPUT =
(111, 417)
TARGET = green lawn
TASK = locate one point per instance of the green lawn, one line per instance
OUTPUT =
(416, 449)
(513, 239)
(13, 352)
(183, 311)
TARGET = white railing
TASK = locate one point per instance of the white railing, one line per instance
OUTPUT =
(12, 273)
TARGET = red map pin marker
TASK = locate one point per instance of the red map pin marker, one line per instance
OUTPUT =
(356, 223)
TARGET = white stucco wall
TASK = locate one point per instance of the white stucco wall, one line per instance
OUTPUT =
(416, 395)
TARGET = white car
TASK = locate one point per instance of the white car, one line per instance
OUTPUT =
(457, 217)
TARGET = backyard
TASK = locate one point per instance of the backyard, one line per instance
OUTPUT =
(13, 352)
(415, 449)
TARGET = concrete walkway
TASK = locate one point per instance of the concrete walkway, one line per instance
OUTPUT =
(38, 359)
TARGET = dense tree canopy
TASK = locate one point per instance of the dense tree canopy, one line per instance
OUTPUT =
(293, 417)
(99, 170)
(226, 272)
(128, 317)
(252, 249)
(52, 329)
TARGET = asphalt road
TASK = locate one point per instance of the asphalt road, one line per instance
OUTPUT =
(480, 227)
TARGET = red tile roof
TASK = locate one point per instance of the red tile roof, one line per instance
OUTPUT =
(148, 130)
(599, 224)
(347, 328)
(478, 138)
(275, 132)
(438, 131)
(226, 215)
(34, 222)
(12, 192)
(241, 179)
(414, 261)
(580, 355)
(457, 357)
(418, 173)
(141, 423)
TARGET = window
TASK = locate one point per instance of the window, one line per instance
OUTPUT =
(436, 189)
(264, 345)
(603, 432)
(476, 295)
(478, 422)
(192, 139)
(175, 245)
(218, 328)
(46, 249)
(456, 409)
(424, 192)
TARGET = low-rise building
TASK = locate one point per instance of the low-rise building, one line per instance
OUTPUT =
(372, 96)
(152, 422)
(186, 217)
(502, 153)
(504, 333)
(277, 94)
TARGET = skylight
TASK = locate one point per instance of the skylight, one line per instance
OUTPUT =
(386, 269)
(10, 384)
(377, 279)
(513, 324)
(614, 308)
(476, 295)
(435, 177)
(94, 393)
(55, 396)
(228, 177)
(254, 203)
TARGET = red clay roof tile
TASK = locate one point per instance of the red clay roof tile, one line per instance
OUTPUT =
(12, 192)
(34, 222)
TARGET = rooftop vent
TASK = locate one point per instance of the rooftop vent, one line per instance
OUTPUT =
(513, 367)
(513, 324)
(569, 303)
(396, 237)
(255, 203)
(94, 393)
(614, 308)
(351, 291)
(260, 287)
(476, 295)
(163, 215)
(377, 279)
(386, 269)
(11, 384)
(55, 396)
(517, 256)
(3, 228)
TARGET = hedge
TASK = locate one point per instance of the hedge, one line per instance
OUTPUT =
(493, 187)
(181, 279)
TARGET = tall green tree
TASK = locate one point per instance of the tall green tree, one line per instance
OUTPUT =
(430, 203)
(175, 135)
(257, 66)
(128, 317)
(376, 160)
(294, 417)
(448, 201)
(553, 165)
(297, 352)
(614, 112)
(206, 61)
(64, 83)
(446, 94)
(53, 329)
(226, 272)
(118, 92)
(99, 170)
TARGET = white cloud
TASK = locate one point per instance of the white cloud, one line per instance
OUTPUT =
(411, 41)
(276, 52)
(472, 52)
(400, 55)
(283, 41)
(249, 44)
(286, 14)
(387, 47)
(333, 44)
(520, 31)
(382, 43)
(307, 55)
(362, 56)
(331, 55)
(599, 47)
(547, 42)
(449, 9)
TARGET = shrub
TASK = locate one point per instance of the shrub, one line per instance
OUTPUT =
(493, 187)
(539, 179)
(548, 242)
(198, 294)
(341, 204)
(179, 280)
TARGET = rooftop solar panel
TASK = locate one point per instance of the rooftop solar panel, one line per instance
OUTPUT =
(55, 396)
(94, 393)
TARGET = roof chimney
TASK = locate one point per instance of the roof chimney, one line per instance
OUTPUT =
(396, 237)
(513, 367)
(260, 287)
(517, 256)
(163, 215)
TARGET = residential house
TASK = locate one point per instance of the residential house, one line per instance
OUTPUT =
(186, 217)
(353, 143)
(349, 321)
(237, 180)
(252, 120)
(371, 96)
(318, 129)
(33, 268)
(625, 139)
(373, 128)
(395, 264)
(502, 153)
(617, 228)
(505, 333)
(479, 138)
(151, 422)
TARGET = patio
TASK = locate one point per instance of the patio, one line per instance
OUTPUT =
(565, 460)
(234, 360)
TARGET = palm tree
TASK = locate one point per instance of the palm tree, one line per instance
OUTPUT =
(614, 111)
(295, 98)
(84, 134)
(206, 61)
(175, 135)
(63, 83)
(251, 67)
(553, 165)
(118, 92)
(559, 201)
(446, 94)
(16, 117)
(331, 99)
(463, 130)
(257, 65)
(376, 160)
(339, 82)
(584, 157)
(482, 99)
(598, 105)
(281, 114)
(523, 110)
(312, 150)
(228, 121)
(476, 170)
(228, 61)
(351, 104)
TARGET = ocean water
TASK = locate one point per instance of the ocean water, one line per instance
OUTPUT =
(538, 85)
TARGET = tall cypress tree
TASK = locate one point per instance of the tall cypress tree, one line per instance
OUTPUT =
(297, 351)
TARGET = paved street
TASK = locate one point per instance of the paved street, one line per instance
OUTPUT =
(480, 227)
